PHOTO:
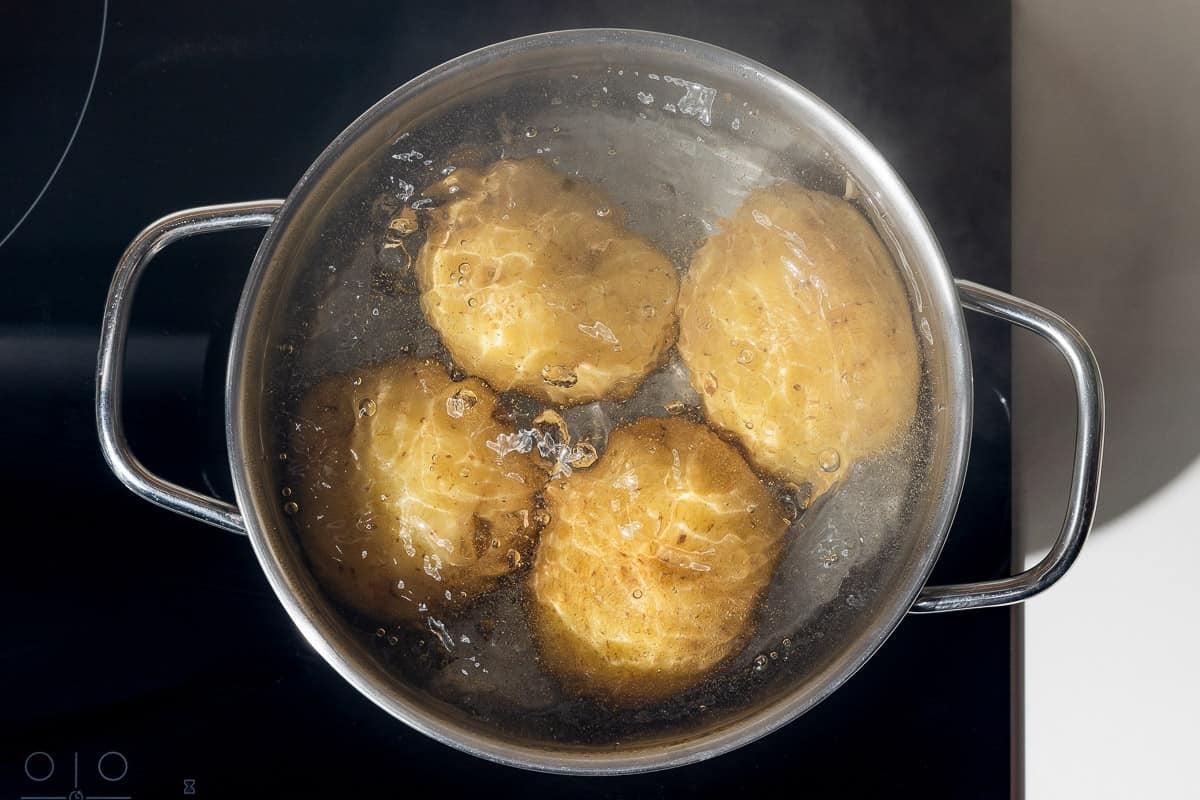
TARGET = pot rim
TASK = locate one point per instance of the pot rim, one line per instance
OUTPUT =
(903, 213)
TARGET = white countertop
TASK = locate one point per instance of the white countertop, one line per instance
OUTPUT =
(1106, 227)
(1112, 660)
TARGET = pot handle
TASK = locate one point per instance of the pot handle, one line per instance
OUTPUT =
(1085, 477)
(111, 360)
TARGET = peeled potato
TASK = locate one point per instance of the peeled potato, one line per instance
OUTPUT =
(648, 572)
(796, 330)
(402, 507)
(535, 285)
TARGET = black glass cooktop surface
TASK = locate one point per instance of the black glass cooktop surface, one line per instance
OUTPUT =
(144, 655)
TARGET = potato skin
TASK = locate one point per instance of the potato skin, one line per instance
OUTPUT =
(648, 573)
(796, 329)
(400, 501)
(532, 290)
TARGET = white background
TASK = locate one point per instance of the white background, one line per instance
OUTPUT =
(1106, 203)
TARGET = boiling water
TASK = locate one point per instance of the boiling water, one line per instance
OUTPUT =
(677, 156)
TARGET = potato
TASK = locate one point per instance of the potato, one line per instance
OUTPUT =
(402, 506)
(647, 574)
(796, 329)
(535, 285)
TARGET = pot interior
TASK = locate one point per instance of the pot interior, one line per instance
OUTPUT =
(677, 133)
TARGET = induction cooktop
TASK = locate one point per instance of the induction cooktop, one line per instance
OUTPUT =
(144, 655)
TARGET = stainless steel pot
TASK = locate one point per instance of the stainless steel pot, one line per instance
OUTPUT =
(601, 76)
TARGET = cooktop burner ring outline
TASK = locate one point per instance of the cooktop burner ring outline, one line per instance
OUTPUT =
(87, 99)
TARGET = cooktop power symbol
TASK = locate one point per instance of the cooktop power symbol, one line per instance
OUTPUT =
(44, 777)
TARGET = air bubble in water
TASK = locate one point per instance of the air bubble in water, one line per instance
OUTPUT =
(557, 375)
(291, 507)
(760, 663)
(830, 460)
(403, 225)
(745, 357)
(802, 493)
(598, 330)
(367, 407)
(791, 509)
(461, 402)
(530, 132)
(582, 456)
